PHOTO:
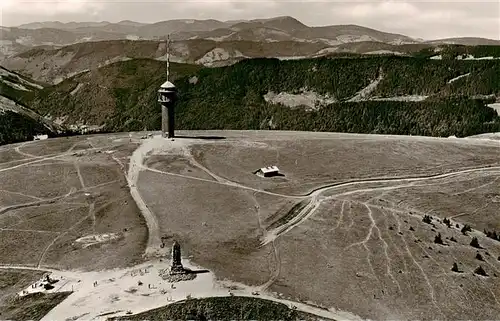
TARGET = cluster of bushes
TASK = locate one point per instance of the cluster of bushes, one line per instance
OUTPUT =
(427, 219)
(492, 235)
(438, 239)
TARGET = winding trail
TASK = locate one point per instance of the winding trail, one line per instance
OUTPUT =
(135, 166)
(20, 152)
(46, 250)
(39, 159)
(307, 212)
(180, 146)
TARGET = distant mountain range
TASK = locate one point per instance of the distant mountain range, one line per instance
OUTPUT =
(56, 34)
(53, 51)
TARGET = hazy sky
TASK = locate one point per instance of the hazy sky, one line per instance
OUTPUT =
(424, 19)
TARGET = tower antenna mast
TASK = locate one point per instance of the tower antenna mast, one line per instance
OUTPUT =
(167, 96)
(168, 56)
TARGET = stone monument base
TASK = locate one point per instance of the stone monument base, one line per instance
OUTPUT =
(172, 277)
(177, 269)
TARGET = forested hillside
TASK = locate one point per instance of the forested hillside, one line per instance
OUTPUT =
(123, 95)
(15, 127)
(17, 122)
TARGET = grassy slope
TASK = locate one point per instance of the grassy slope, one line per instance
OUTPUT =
(123, 95)
(222, 308)
(31, 307)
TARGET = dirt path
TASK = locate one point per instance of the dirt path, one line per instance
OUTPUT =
(20, 194)
(316, 200)
(492, 167)
(39, 159)
(46, 250)
(135, 167)
(80, 176)
(20, 152)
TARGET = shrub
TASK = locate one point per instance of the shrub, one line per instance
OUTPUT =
(492, 235)
(427, 219)
(466, 229)
(480, 271)
(475, 243)
(454, 268)
(438, 239)
(479, 256)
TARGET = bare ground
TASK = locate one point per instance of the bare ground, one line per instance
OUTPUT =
(308, 163)
(358, 246)
(352, 247)
(220, 229)
(49, 202)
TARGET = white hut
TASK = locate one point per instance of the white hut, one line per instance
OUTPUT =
(40, 137)
(268, 171)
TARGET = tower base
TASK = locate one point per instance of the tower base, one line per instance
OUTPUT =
(176, 269)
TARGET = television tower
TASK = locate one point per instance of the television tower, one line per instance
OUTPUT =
(167, 96)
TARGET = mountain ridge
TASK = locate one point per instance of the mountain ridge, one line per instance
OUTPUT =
(283, 28)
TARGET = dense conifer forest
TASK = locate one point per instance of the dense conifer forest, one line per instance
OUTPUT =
(122, 96)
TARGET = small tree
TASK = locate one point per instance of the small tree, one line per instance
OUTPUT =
(480, 271)
(475, 243)
(427, 219)
(453, 239)
(438, 239)
(454, 268)
(466, 229)
(479, 256)
(447, 222)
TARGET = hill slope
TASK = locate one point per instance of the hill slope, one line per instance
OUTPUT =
(392, 95)
(52, 65)
(17, 121)
(223, 308)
